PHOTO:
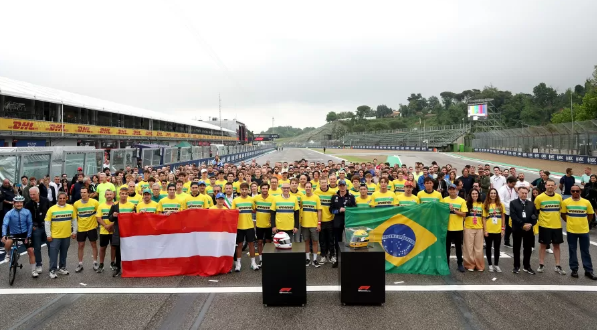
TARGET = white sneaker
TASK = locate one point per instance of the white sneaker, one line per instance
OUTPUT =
(62, 271)
(333, 259)
(490, 269)
(549, 251)
(497, 269)
(39, 269)
(53, 274)
(237, 269)
(254, 266)
(323, 260)
(95, 265)
(34, 274)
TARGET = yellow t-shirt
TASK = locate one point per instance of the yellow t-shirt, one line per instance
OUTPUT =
(326, 201)
(215, 207)
(424, 197)
(102, 212)
(127, 207)
(186, 187)
(456, 221)
(371, 188)
(151, 207)
(474, 217)
(276, 192)
(101, 190)
(334, 189)
(285, 208)
(281, 182)
(197, 202)
(549, 210)
(140, 186)
(311, 204)
(576, 212)
(221, 183)
(407, 201)
(245, 206)
(314, 184)
(493, 218)
(236, 186)
(363, 202)
(85, 213)
(182, 196)
(134, 199)
(263, 213)
(210, 201)
(399, 186)
(387, 199)
(60, 220)
(170, 205)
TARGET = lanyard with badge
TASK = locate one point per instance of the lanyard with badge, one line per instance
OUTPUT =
(474, 216)
(494, 219)
(524, 213)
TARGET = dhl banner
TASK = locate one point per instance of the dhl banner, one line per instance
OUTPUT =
(7, 124)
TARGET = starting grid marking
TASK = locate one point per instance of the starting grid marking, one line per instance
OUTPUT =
(316, 288)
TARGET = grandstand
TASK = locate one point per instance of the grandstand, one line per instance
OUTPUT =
(322, 136)
(32, 115)
(433, 137)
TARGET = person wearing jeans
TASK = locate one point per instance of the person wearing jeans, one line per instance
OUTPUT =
(59, 246)
(38, 206)
(59, 222)
(578, 212)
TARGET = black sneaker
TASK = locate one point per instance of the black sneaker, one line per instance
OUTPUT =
(461, 268)
(529, 271)
(516, 270)
(574, 274)
(590, 276)
(116, 272)
(316, 263)
(335, 265)
(100, 269)
(112, 265)
(308, 262)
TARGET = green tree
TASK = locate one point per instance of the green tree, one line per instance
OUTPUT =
(331, 116)
(362, 111)
(383, 111)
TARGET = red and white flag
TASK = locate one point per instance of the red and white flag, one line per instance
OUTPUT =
(192, 242)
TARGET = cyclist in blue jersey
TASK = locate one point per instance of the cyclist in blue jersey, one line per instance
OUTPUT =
(18, 223)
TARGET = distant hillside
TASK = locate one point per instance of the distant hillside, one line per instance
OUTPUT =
(336, 129)
(287, 131)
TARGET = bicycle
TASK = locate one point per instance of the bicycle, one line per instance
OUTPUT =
(14, 259)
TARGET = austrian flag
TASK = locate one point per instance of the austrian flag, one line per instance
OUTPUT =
(192, 242)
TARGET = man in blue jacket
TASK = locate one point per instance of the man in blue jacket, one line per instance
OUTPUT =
(18, 223)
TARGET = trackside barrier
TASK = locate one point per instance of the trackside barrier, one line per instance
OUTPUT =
(406, 148)
(232, 158)
(538, 155)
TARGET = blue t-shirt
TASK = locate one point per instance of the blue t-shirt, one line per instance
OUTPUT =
(568, 182)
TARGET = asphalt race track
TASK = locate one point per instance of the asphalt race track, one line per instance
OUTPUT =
(472, 300)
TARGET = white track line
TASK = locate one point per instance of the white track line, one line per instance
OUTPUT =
(318, 288)
(22, 253)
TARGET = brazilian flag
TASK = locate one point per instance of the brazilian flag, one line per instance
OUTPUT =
(414, 237)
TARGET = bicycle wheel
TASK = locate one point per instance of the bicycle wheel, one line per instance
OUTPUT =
(12, 270)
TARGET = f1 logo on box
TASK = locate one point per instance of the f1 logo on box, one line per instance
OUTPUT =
(286, 291)
(364, 288)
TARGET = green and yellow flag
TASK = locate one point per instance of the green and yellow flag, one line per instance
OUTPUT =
(414, 237)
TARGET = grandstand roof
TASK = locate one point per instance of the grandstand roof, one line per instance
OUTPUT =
(11, 87)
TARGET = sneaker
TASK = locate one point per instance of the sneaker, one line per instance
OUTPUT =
(254, 267)
(461, 268)
(529, 271)
(335, 264)
(559, 270)
(497, 269)
(112, 265)
(237, 269)
(62, 271)
(323, 260)
(480, 270)
(452, 246)
(7, 259)
(260, 264)
(471, 270)
(100, 269)
(333, 260)
(541, 269)
(316, 264)
(574, 274)
(116, 272)
(590, 276)
(490, 269)
(549, 251)
(38, 269)
(95, 266)
(508, 244)
(516, 270)
(79, 268)
(308, 262)
(53, 274)
(34, 274)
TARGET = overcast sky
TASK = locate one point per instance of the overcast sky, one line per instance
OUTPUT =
(294, 61)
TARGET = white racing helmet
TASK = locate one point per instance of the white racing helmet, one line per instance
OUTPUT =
(282, 241)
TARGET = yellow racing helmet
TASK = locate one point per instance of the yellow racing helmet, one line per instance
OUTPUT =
(360, 239)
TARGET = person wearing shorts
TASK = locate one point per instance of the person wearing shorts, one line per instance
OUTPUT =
(85, 212)
(245, 230)
(263, 213)
(550, 225)
(106, 228)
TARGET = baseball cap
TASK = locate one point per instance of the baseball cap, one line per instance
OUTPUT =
(219, 195)
(79, 169)
(342, 182)
(146, 191)
(203, 170)
(342, 171)
(451, 186)
(408, 184)
(201, 182)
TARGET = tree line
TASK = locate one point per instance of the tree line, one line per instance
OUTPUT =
(543, 106)
(287, 131)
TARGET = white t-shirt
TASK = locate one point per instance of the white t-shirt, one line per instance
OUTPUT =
(498, 181)
(507, 195)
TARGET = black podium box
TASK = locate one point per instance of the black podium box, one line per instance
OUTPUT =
(284, 276)
(362, 275)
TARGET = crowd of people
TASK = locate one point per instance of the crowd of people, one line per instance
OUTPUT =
(307, 200)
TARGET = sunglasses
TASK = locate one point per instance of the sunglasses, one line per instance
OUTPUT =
(575, 191)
